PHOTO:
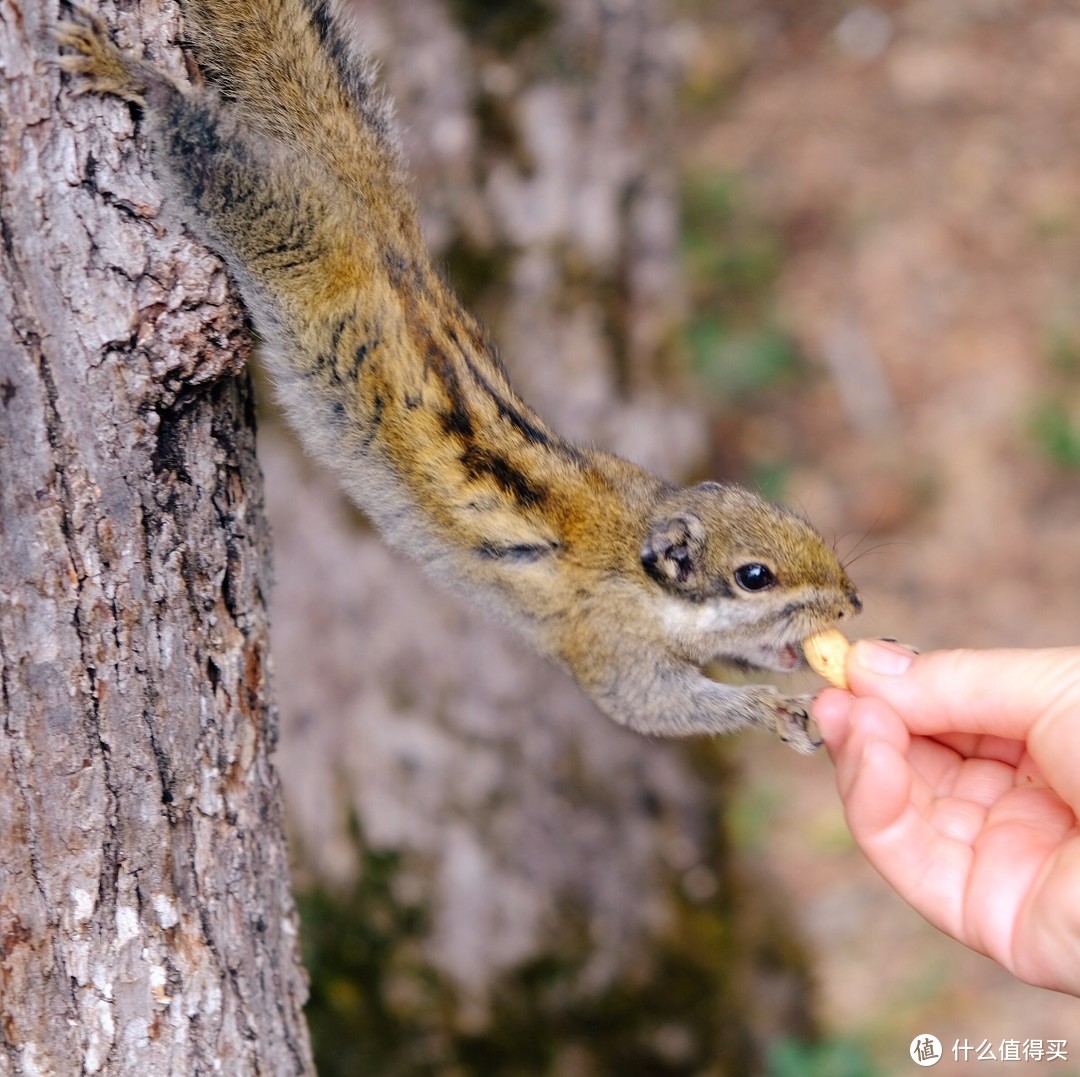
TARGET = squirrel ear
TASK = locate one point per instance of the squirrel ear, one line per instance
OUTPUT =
(673, 549)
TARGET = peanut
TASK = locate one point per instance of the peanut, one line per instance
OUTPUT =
(827, 654)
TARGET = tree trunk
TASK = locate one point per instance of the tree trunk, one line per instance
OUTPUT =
(146, 924)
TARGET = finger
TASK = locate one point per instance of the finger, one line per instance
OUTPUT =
(982, 781)
(936, 762)
(996, 692)
(830, 709)
(961, 772)
(978, 746)
(882, 805)
(1001, 749)
(868, 720)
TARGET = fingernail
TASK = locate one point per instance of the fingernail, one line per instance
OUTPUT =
(889, 659)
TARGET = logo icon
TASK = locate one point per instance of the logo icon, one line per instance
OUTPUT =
(925, 1050)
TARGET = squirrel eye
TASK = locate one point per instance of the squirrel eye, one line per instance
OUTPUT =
(754, 577)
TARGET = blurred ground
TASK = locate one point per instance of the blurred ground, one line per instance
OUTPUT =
(898, 343)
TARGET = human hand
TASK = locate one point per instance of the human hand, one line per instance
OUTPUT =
(960, 777)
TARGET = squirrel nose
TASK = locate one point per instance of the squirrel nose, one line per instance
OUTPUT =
(854, 605)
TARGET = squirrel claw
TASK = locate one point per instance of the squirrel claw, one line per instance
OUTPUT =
(95, 58)
(796, 728)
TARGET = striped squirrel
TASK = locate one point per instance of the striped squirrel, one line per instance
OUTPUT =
(290, 170)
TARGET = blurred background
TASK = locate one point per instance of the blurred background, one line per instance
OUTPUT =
(830, 250)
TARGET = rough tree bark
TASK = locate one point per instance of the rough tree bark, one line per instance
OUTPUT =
(146, 924)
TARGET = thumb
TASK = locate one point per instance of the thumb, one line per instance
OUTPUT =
(1002, 693)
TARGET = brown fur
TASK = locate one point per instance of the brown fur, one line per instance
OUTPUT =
(290, 170)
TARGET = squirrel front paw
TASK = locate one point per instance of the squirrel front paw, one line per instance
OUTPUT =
(795, 727)
(95, 59)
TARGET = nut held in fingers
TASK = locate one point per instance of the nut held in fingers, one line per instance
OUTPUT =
(827, 654)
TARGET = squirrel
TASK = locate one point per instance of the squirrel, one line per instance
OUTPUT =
(288, 167)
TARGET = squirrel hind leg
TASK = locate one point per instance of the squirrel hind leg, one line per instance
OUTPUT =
(97, 59)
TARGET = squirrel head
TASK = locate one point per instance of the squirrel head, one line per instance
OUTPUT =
(745, 578)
